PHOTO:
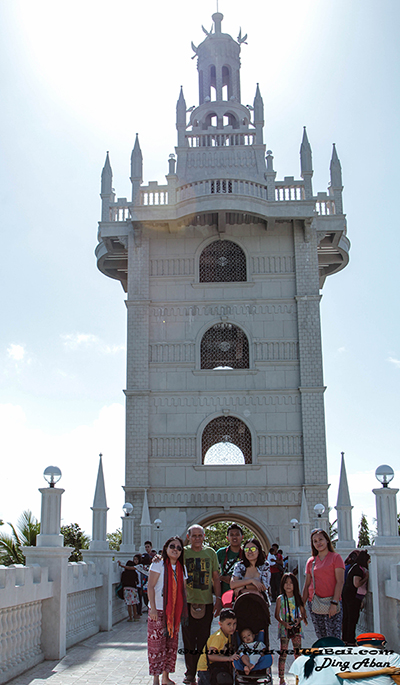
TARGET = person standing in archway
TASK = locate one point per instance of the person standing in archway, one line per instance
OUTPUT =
(203, 573)
(228, 556)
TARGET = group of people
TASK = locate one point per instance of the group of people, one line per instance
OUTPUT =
(134, 580)
(183, 581)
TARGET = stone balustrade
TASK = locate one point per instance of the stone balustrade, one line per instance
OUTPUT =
(23, 593)
(288, 190)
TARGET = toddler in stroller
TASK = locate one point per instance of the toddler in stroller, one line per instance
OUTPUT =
(252, 614)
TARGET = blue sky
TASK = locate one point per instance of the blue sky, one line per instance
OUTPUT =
(78, 79)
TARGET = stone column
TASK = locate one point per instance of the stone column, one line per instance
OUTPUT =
(50, 553)
(386, 516)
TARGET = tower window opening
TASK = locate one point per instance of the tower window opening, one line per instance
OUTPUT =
(226, 83)
(224, 346)
(226, 440)
(222, 261)
(213, 82)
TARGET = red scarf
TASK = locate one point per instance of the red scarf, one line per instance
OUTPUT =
(174, 598)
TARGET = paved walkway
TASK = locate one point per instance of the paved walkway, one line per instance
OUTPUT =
(120, 657)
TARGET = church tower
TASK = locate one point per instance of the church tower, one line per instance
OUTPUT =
(222, 268)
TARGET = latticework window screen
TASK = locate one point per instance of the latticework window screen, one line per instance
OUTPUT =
(224, 345)
(222, 261)
(222, 434)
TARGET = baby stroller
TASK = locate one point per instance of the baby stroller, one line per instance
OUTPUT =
(252, 611)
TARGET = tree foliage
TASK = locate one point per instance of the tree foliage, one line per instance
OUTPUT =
(23, 535)
(76, 538)
(115, 539)
(364, 536)
(333, 532)
(216, 534)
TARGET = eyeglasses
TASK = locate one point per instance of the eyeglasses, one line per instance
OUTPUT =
(251, 549)
(178, 547)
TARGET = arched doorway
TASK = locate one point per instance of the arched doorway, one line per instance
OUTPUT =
(208, 518)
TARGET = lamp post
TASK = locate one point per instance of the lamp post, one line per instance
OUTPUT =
(128, 522)
(50, 517)
(157, 531)
(320, 521)
(51, 554)
(294, 535)
(386, 509)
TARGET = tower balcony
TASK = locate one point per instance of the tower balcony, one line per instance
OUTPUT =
(219, 202)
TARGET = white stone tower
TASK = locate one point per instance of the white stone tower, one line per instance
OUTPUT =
(223, 267)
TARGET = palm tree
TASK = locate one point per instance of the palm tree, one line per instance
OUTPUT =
(24, 535)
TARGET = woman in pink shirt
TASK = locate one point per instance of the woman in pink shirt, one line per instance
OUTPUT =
(324, 578)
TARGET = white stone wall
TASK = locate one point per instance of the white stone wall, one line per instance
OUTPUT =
(170, 398)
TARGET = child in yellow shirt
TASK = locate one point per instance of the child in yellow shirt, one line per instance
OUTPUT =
(218, 654)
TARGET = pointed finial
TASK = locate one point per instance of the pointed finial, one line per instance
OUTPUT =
(343, 498)
(335, 170)
(137, 162)
(305, 154)
(106, 177)
(100, 500)
(304, 517)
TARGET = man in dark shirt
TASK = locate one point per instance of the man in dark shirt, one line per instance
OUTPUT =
(228, 556)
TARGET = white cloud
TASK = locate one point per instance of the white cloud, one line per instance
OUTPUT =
(394, 361)
(76, 341)
(341, 350)
(16, 352)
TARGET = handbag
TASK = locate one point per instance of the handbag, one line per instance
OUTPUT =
(197, 610)
(321, 605)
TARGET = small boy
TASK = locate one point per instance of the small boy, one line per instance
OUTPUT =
(217, 647)
(250, 650)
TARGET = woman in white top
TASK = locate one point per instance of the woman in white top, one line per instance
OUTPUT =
(167, 606)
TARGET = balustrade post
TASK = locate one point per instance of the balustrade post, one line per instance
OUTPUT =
(50, 553)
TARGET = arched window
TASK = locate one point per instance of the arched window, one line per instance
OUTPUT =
(222, 261)
(224, 346)
(226, 440)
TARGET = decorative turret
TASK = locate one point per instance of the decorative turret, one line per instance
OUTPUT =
(136, 168)
(306, 165)
(181, 119)
(99, 509)
(336, 185)
(258, 106)
(106, 193)
(218, 64)
(343, 508)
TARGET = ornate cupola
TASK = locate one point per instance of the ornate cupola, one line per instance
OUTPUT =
(221, 132)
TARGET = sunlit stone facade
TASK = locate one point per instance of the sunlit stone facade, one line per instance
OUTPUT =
(222, 268)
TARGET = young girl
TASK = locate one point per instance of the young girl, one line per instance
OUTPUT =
(289, 613)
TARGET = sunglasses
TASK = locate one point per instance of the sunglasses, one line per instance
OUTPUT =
(177, 547)
(251, 549)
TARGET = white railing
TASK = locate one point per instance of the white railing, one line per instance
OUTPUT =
(324, 206)
(221, 187)
(220, 139)
(289, 192)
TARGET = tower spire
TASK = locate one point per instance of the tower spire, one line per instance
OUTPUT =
(343, 508)
(136, 169)
(106, 191)
(99, 509)
(336, 185)
(306, 164)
